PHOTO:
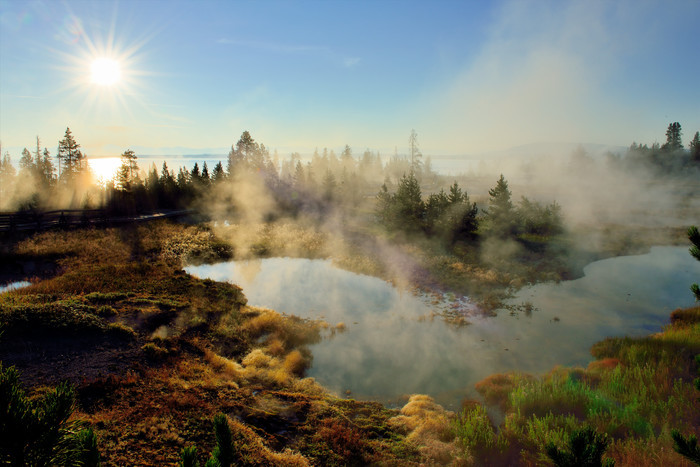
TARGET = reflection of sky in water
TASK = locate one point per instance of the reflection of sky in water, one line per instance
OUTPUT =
(386, 352)
(13, 286)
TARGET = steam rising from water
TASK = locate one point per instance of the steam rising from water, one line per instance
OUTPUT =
(387, 351)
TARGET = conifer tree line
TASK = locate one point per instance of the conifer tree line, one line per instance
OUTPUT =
(669, 158)
(43, 181)
(452, 217)
(326, 178)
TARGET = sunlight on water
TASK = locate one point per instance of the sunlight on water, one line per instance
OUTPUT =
(388, 351)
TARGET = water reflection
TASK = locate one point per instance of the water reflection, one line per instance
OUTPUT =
(13, 286)
(387, 351)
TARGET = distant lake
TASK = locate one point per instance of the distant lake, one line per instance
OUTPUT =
(102, 166)
(389, 350)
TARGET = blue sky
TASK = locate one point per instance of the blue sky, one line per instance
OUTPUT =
(468, 76)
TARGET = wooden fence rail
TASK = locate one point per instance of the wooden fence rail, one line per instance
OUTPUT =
(67, 218)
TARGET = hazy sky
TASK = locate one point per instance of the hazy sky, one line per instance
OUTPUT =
(469, 76)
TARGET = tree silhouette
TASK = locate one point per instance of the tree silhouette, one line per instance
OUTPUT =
(673, 137)
(694, 147)
(586, 447)
(694, 237)
(71, 159)
(501, 213)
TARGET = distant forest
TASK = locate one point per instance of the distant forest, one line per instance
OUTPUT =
(327, 181)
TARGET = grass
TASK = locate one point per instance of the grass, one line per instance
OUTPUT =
(635, 392)
(196, 349)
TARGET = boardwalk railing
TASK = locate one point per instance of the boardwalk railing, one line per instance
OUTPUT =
(67, 218)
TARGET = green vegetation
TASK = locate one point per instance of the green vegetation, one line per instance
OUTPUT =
(39, 431)
(694, 237)
(586, 447)
(154, 353)
(194, 349)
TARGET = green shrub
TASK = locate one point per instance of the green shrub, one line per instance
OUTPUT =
(474, 431)
(188, 457)
(586, 448)
(223, 452)
(37, 431)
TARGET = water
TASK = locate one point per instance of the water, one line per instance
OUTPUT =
(390, 349)
(13, 286)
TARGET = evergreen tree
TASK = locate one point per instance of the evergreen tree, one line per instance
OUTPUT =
(153, 187)
(694, 237)
(384, 206)
(188, 457)
(183, 179)
(223, 454)
(586, 449)
(463, 222)
(329, 186)
(71, 159)
(248, 154)
(7, 179)
(218, 174)
(673, 137)
(38, 431)
(168, 188)
(128, 170)
(410, 209)
(500, 213)
(299, 178)
(414, 152)
(436, 210)
(538, 220)
(694, 147)
(686, 447)
(27, 168)
(195, 176)
(205, 174)
(47, 170)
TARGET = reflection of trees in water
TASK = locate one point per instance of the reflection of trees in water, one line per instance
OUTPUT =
(250, 269)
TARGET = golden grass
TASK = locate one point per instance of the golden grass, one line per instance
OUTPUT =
(427, 426)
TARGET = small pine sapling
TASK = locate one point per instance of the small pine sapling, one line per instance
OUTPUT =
(586, 448)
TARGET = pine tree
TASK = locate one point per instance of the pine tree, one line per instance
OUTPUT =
(188, 457)
(7, 179)
(128, 171)
(47, 170)
(410, 209)
(195, 176)
(436, 209)
(70, 157)
(500, 213)
(38, 431)
(248, 154)
(414, 152)
(586, 449)
(223, 453)
(218, 174)
(329, 186)
(299, 178)
(27, 168)
(205, 174)
(694, 237)
(673, 137)
(694, 147)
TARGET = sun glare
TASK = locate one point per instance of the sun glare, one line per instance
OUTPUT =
(105, 72)
(104, 168)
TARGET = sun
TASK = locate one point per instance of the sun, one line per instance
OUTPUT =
(105, 72)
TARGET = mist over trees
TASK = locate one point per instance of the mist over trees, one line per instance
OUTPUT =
(400, 192)
(667, 159)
